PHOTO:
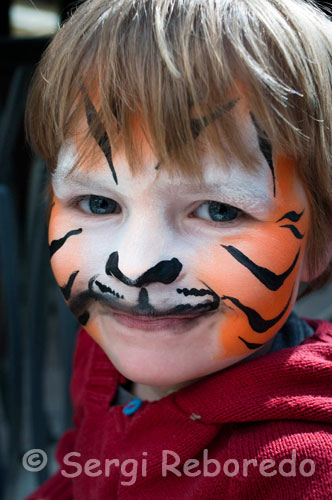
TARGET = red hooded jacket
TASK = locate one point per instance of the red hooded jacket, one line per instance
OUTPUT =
(257, 430)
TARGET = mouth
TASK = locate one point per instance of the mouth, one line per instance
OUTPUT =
(143, 316)
(153, 323)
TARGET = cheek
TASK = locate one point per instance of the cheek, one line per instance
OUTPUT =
(76, 254)
(86, 252)
(224, 274)
(264, 246)
(68, 256)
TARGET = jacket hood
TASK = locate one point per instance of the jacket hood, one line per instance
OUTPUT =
(293, 383)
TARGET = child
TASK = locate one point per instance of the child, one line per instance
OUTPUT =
(189, 143)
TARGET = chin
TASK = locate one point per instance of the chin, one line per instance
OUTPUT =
(162, 358)
(164, 368)
(151, 370)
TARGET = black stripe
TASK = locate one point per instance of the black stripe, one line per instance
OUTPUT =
(100, 135)
(292, 216)
(266, 149)
(66, 290)
(166, 271)
(257, 323)
(250, 345)
(294, 230)
(57, 244)
(143, 301)
(199, 124)
(210, 305)
(271, 280)
(84, 318)
(194, 291)
(106, 289)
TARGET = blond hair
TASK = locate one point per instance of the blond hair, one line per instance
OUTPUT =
(156, 59)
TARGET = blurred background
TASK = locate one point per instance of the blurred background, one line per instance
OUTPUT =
(37, 333)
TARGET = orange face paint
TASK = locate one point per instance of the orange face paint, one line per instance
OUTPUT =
(276, 245)
(174, 279)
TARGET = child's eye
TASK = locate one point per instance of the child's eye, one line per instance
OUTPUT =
(98, 205)
(217, 212)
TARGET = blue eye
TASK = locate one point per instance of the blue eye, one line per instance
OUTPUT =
(220, 212)
(217, 212)
(98, 205)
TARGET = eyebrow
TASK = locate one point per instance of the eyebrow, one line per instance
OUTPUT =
(232, 191)
(81, 179)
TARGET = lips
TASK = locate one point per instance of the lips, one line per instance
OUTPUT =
(146, 323)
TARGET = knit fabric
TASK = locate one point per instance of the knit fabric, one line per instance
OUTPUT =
(258, 430)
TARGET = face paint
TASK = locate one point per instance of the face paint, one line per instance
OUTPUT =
(199, 124)
(57, 244)
(66, 290)
(165, 271)
(294, 217)
(175, 279)
(103, 141)
(265, 148)
(267, 277)
(265, 300)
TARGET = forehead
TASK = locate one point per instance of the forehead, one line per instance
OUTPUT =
(228, 176)
(228, 170)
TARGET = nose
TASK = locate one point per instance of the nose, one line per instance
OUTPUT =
(143, 250)
(165, 271)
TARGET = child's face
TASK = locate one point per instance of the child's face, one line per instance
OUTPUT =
(173, 279)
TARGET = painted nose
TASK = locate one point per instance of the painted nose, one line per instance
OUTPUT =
(166, 271)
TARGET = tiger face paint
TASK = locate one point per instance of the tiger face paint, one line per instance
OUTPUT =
(174, 279)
